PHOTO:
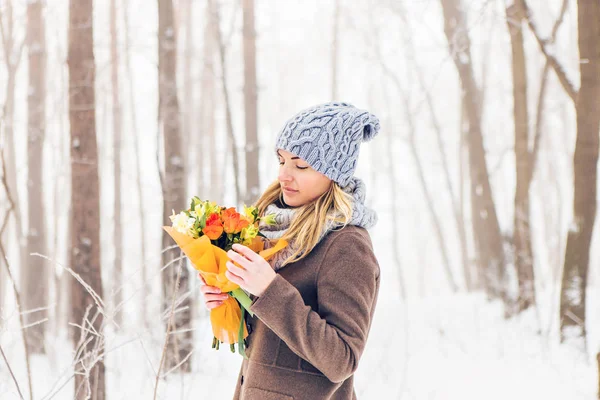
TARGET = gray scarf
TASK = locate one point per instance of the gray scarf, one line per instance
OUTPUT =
(361, 216)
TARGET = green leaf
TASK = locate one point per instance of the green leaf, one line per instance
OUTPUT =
(203, 222)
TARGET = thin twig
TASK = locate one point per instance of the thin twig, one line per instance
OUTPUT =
(10, 276)
(162, 357)
(11, 373)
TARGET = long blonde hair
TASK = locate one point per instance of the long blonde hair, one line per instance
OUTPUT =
(306, 227)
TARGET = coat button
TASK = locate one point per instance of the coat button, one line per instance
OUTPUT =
(242, 380)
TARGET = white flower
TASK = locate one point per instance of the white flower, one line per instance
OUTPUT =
(191, 222)
(181, 222)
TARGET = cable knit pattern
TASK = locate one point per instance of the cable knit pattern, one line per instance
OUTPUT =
(328, 137)
(362, 216)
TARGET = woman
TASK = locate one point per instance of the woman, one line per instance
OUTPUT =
(313, 303)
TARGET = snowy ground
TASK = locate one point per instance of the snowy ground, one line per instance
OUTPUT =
(454, 347)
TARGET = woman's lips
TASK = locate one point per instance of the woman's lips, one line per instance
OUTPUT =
(289, 191)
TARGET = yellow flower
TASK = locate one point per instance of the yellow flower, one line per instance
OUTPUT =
(248, 234)
(251, 212)
(269, 219)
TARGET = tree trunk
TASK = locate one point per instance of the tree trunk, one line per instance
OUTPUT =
(214, 188)
(521, 241)
(577, 255)
(138, 169)
(117, 279)
(231, 137)
(250, 104)
(174, 188)
(61, 189)
(394, 196)
(335, 50)
(12, 58)
(191, 153)
(488, 238)
(35, 272)
(456, 204)
(85, 197)
(598, 369)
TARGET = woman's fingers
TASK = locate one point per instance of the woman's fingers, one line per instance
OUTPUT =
(215, 297)
(246, 252)
(212, 300)
(209, 289)
(213, 304)
(238, 258)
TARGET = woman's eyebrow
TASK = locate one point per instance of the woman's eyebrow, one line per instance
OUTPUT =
(293, 158)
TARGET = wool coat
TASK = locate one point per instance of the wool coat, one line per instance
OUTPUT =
(311, 324)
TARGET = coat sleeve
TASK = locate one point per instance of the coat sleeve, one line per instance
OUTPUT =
(333, 339)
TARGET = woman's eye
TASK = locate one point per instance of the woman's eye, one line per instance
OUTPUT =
(301, 167)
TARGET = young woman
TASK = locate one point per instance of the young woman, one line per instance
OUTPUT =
(313, 303)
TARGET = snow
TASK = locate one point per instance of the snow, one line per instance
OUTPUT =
(440, 347)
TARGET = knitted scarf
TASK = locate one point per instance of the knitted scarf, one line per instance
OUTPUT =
(361, 216)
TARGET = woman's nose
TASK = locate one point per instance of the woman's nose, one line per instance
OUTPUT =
(284, 175)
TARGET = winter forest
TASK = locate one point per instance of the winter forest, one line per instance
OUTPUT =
(114, 113)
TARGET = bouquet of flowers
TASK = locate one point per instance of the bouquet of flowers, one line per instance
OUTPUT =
(205, 232)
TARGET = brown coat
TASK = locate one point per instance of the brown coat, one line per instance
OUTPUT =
(311, 324)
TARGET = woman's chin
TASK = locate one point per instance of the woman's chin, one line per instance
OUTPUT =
(290, 202)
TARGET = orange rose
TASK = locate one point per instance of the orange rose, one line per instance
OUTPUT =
(213, 228)
(233, 222)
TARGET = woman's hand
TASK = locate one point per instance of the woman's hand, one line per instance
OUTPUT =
(213, 297)
(256, 274)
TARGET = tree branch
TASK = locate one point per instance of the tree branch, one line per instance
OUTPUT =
(11, 373)
(542, 93)
(556, 66)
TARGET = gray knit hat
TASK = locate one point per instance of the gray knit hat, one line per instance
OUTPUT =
(328, 136)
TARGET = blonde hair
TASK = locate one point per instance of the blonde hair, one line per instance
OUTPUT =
(306, 227)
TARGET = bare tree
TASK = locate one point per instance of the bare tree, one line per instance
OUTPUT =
(214, 7)
(553, 233)
(394, 195)
(455, 200)
(335, 49)
(34, 273)
(521, 240)
(138, 168)
(585, 160)
(214, 189)
(173, 187)
(189, 134)
(488, 238)
(12, 51)
(250, 104)
(407, 109)
(85, 198)
(117, 280)
(61, 187)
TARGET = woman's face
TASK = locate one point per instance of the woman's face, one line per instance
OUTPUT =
(300, 184)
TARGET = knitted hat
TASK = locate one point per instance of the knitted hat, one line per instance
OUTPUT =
(327, 136)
